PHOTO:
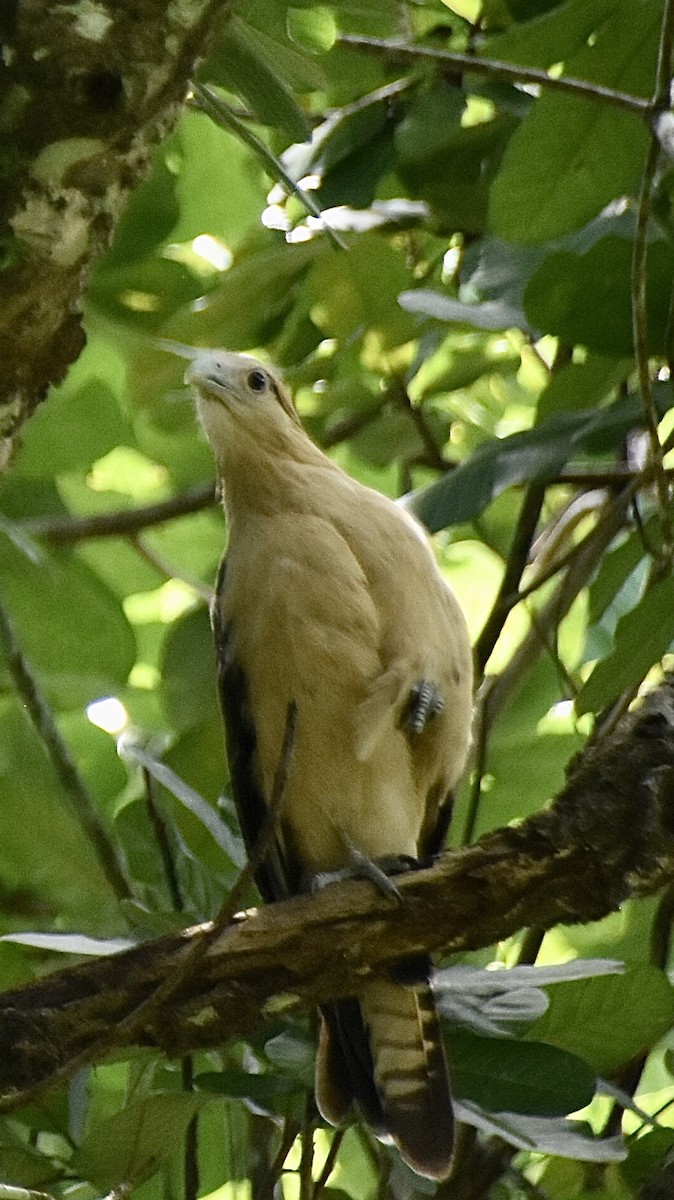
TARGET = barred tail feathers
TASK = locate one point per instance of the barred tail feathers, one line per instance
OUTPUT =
(410, 1073)
(385, 1051)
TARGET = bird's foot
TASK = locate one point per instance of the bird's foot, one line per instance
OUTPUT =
(360, 866)
(424, 703)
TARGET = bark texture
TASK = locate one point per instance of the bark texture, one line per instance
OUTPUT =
(86, 91)
(608, 835)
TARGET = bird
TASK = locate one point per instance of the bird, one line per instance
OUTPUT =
(329, 599)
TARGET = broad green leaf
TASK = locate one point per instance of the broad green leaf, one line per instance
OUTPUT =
(431, 124)
(504, 1075)
(581, 291)
(313, 29)
(544, 37)
(70, 943)
(352, 293)
(251, 301)
(571, 157)
(492, 315)
(244, 66)
(27, 1169)
(79, 423)
(188, 797)
(132, 1144)
(535, 454)
(608, 1021)
(581, 384)
(42, 839)
(204, 154)
(263, 1090)
(642, 637)
(71, 627)
(569, 1139)
(617, 565)
(456, 180)
(188, 670)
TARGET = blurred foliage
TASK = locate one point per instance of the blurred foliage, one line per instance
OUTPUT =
(473, 346)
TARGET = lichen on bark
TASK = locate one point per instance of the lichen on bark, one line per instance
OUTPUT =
(87, 91)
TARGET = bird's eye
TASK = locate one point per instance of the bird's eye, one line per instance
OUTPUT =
(257, 381)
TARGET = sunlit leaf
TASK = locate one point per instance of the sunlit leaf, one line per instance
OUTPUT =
(132, 1144)
(642, 636)
(608, 1021)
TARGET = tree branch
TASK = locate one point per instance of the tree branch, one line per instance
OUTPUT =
(510, 71)
(122, 522)
(609, 835)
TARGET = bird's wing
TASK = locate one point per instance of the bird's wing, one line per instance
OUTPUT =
(276, 878)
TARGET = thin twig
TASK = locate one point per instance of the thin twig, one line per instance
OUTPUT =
(307, 1156)
(329, 1164)
(219, 112)
(525, 530)
(291, 1130)
(434, 456)
(191, 1150)
(203, 590)
(83, 803)
(191, 1144)
(583, 564)
(128, 1028)
(161, 836)
(510, 71)
(638, 292)
(121, 522)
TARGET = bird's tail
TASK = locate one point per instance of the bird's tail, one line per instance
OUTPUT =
(385, 1051)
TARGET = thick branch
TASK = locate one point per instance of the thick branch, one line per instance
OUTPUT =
(610, 834)
(86, 92)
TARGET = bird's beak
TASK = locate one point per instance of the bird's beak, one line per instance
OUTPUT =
(208, 373)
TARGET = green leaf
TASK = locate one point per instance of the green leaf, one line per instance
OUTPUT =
(64, 424)
(352, 293)
(492, 315)
(70, 943)
(552, 37)
(642, 637)
(188, 670)
(188, 797)
(204, 154)
(580, 385)
(616, 567)
(71, 627)
(569, 1139)
(254, 296)
(456, 180)
(608, 1021)
(131, 1145)
(512, 1076)
(431, 124)
(313, 29)
(244, 66)
(535, 454)
(581, 292)
(41, 841)
(571, 157)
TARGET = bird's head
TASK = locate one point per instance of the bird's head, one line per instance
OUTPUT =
(235, 392)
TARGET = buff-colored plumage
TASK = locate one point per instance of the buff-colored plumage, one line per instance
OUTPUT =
(331, 598)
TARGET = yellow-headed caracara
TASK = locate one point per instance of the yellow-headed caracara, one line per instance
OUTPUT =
(331, 599)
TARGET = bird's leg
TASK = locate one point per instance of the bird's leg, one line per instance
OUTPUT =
(424, 703)
(362, 867)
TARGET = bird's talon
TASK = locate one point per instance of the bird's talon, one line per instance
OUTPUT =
(425, 702)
